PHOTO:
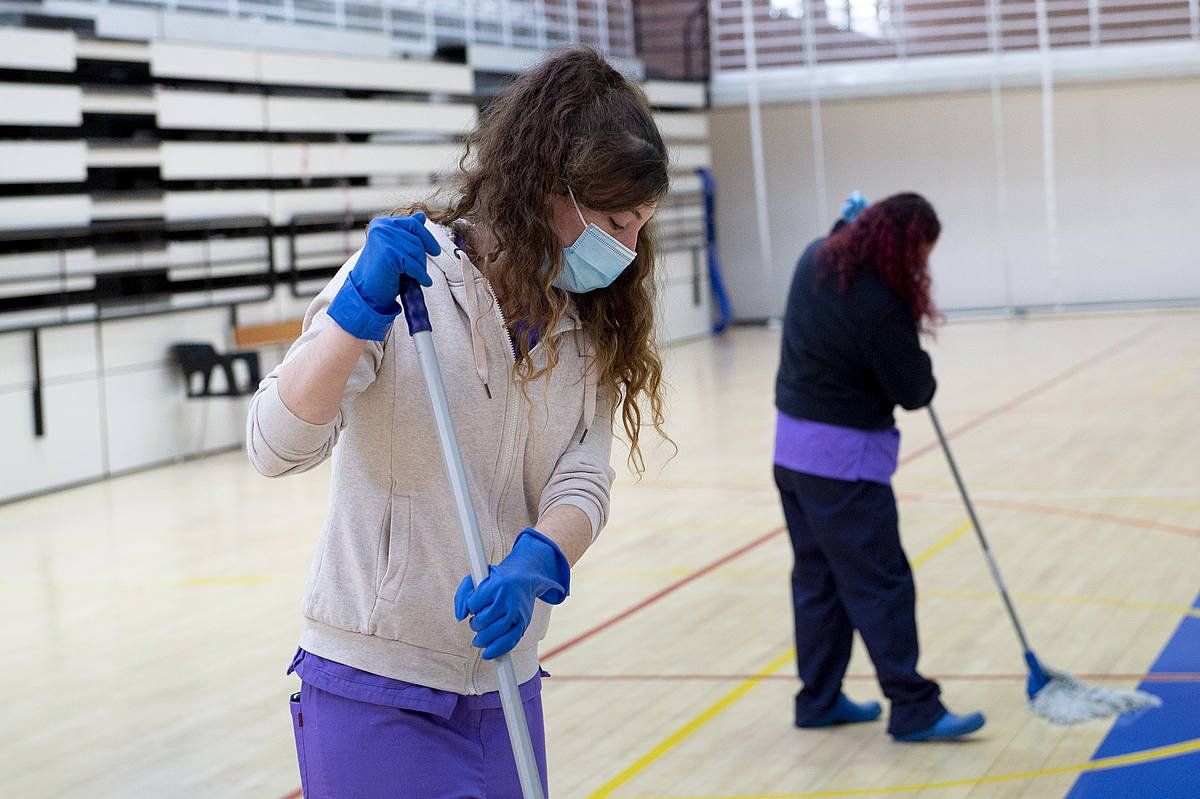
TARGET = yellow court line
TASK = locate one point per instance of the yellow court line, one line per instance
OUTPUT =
(726, 701)
(686, 731)
(924, 557)
(1117, 761)
(1176, 373)
(237, 579)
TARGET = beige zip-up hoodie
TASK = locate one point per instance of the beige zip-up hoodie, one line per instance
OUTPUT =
(381, 587)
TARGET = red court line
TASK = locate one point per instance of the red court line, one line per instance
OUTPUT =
(1174, 529)
(1028, 394)
(1163, 677)
(650, 600)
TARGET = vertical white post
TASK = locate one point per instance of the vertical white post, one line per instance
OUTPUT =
(1194, 13)
(754, 110)
(901, 28)
(814, 106)
(339, 13)
(539, 23)
(469, 23)
(1094, 23)
(630, 41)
(995, 44)
(602, 25)
(1049, 182)
(505, 23)
(573, 20)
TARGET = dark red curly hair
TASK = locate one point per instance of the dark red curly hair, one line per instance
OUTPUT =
(891, 238)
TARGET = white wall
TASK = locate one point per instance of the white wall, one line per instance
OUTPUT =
(1128, 184)
(113, 399)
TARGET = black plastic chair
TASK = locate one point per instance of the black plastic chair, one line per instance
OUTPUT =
(200, 358)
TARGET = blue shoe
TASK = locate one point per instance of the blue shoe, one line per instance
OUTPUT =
(947, 728)
(845, 711)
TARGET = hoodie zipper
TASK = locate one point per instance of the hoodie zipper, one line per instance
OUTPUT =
(511, 442)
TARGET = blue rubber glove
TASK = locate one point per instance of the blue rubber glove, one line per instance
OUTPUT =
(366, 306)
(502, 605)
(853, 206)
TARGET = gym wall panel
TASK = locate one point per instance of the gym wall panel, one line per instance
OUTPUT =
(1126, 200)
(1128, 206)
(69, 352)
(675, 94)
(151, 422)
(685, 184)
(203, 62)
(113, 50)
(211, 160)
(682, 125)
(145, 342)
(219, 202)
(287, 203)
(195, 110)
(186, 253)
(337, 160)
(47, 286)
(24, 48)
(42, 211)
(307, 69)
(71, 450)
(304, 114)
(107, 101)
(689, 156)
(45, 264)
(43, 162)
(684, 298)
(126, 207)
(16, 369)
(149, 419)
(200, 160)
(122, 155)
(38, 104)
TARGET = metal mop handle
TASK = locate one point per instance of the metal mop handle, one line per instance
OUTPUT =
(987, 551)
(417, 317)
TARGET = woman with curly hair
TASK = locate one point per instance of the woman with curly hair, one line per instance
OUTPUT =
(851, 354)
(537, 265)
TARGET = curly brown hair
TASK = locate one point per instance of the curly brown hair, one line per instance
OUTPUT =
(571, 121)
(891, 238)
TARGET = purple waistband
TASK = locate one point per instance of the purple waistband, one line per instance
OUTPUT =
(362, 686)
(841, 453)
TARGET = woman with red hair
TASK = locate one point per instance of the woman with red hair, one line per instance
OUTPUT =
(851, 354)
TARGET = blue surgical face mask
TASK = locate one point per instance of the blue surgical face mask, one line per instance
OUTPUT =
(594, 261)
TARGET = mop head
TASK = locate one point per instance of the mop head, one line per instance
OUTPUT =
(1065, 700)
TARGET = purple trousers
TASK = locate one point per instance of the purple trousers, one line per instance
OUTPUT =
(349, 749)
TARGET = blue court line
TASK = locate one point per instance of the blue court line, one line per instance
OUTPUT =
(1177, 720)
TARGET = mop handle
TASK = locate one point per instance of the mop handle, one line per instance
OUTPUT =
(417, 316)
(987, 550)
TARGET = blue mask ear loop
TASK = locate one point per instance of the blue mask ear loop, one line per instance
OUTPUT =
(581, 219)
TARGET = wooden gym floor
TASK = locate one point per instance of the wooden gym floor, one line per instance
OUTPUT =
(148, 619)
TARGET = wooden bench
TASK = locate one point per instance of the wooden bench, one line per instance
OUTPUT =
(268, 334)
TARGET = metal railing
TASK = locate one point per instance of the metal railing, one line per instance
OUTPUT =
(849, 30)
(421, 26)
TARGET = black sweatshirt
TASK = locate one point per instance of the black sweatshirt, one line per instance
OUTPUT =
(849, 357)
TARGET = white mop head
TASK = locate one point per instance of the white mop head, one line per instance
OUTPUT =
(1065, 700)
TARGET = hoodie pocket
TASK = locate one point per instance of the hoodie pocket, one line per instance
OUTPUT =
(394, 549)
(417, 606)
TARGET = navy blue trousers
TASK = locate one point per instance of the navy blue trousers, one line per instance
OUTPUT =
(852, 574)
